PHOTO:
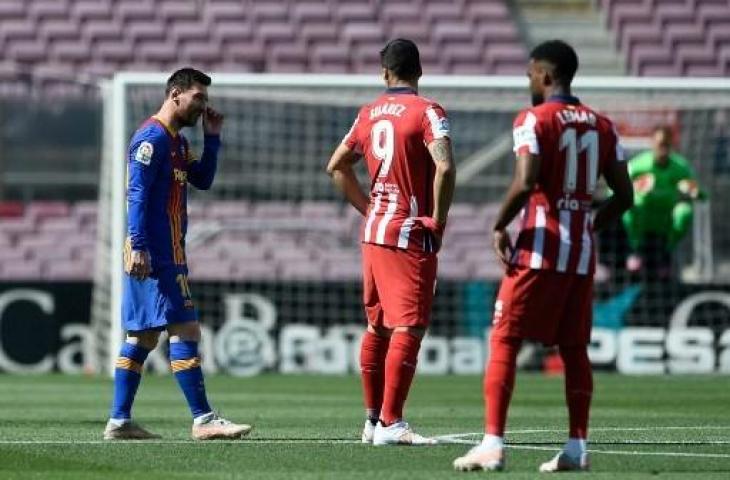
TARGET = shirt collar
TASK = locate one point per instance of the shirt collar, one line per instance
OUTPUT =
(170, 130)
(569, 99)
(396, 90)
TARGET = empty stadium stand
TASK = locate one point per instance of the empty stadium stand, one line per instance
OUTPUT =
(81, 40)
(672, 37)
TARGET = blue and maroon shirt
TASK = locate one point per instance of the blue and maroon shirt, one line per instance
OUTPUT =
(159, 167)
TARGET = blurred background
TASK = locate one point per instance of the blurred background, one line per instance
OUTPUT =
(273, 251)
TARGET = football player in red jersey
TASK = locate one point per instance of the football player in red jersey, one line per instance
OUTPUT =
(562, 147)
(404, 138)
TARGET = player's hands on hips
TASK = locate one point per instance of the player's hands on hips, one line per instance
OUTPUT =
(212, 122)
(435, 227)
(139, 265)
(502, 246)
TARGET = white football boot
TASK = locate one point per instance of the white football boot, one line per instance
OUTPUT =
(126, 430)
(214, 427)
(367, 432)
(399, 433)
(482, 457)
(562, 462)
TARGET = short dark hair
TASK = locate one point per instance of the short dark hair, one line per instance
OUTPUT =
(561, 55)
(185, 78)
(401, 57)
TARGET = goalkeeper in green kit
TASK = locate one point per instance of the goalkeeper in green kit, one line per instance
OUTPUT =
(664, 190)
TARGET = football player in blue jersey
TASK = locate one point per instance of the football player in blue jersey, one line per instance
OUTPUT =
(156, 295)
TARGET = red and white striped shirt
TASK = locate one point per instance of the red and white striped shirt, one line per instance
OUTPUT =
(575, 145)
(393, 133)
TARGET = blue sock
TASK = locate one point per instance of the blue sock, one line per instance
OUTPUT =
(185, 364)
(127, 376)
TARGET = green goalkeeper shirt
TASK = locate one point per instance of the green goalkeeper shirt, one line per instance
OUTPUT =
(656, 188)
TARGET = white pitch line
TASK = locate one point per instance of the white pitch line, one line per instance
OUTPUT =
(631, 452)
(455, 438)
(625, 429)
(599, 429)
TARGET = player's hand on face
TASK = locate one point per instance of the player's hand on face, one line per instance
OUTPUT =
(139, 265)
(502, 246)
(212, 122)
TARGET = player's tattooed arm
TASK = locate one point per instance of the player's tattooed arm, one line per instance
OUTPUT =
(340, 169)
(445, 178)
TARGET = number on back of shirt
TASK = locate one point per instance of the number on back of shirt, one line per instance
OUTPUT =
(574, 146)
(382, 139)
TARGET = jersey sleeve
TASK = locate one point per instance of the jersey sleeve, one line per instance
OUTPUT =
(146, 153)
(202, 171)
(435, 124)
(615, 141)
(352, 138)
(684, 168)
(524, 134)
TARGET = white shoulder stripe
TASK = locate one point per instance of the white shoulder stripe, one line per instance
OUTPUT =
(525, 136)
(439, 126)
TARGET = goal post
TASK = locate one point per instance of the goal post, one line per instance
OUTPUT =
(271, 190)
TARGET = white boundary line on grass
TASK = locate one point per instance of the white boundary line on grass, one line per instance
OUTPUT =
(632, 452)
(456, 438)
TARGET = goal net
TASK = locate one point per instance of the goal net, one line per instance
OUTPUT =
(273, 252)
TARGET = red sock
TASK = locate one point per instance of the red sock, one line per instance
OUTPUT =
(372, 371)
(578, 388)
(400, 366)
(499, 382)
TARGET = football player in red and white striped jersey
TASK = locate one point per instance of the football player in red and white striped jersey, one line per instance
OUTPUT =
(562, 148)
(404, 139)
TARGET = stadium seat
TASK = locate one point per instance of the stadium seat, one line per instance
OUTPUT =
(343, 270)
(40, 210)
(253, 271)
(21, 270)
(401, 14)
(11, 209)
(12, 11)
(90, 11)
(68, 270)
(174, 10)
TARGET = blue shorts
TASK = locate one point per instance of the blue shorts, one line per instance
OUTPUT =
(158, 300)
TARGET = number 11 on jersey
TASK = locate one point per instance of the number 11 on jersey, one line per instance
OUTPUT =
(574, 146)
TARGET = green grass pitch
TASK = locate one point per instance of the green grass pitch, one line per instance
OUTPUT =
(308, 427)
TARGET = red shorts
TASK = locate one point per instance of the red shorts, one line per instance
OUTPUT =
(398, 286)
(544, 306)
